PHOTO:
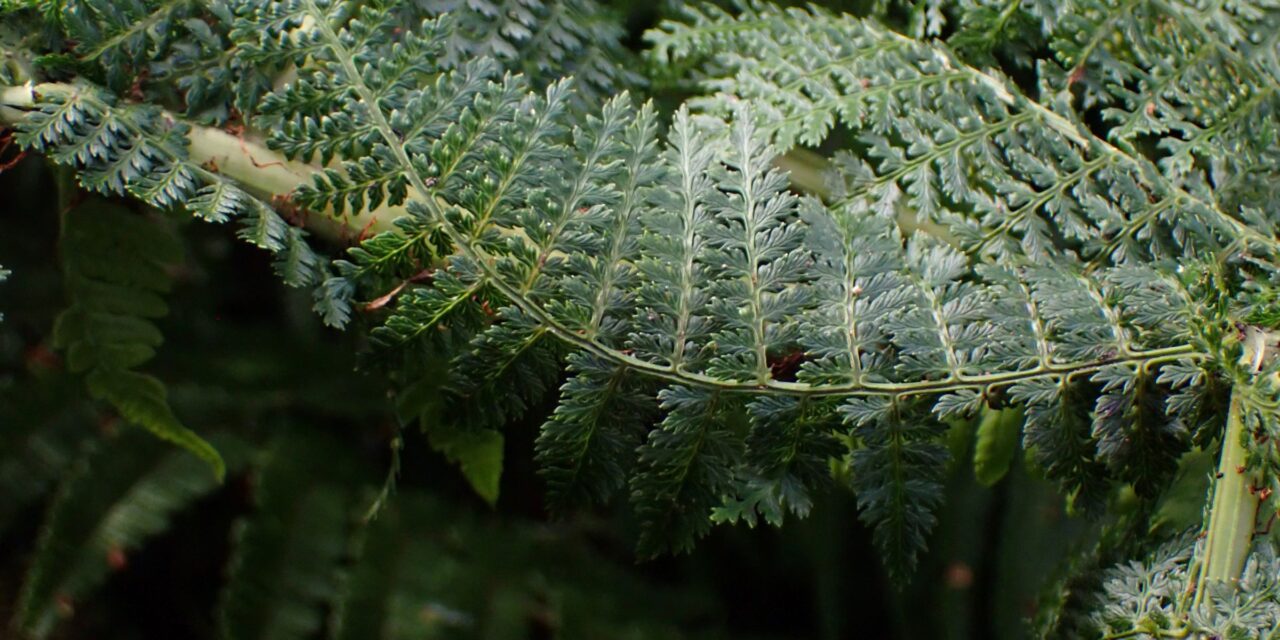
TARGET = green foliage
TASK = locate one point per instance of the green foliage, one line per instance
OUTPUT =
(115, 264)
(285, 568)
(1004, 173)
(478, 453)
(544, 40)
(119, 494)
(897, 474)
(997, 442)
(586, 448)
(44, 430)
(1149, 600)
(520, 581)
(1065, 223)
(139, 150)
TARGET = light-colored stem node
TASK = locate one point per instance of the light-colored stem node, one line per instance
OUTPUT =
(242, 157)
(1233, 513)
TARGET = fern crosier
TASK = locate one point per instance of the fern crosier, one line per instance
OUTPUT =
(680, 276)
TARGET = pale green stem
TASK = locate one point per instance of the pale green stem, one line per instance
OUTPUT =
(1234, 511)
(243, 158)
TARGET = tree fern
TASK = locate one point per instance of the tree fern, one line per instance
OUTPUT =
(1093, 228)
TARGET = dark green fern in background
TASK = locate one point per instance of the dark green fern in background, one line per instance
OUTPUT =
(756, 260)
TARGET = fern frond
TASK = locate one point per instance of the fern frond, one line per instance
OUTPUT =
(995, 444)
(138, 150)
(509, 366)
(789, 448)
(452, 302)
(685, 467)
(537, 228)
(963, 147)
(1149, 598)
(587, 447)
(543, 40)
(1134, 435)
(122, 37)
(1058, 433)
(114, 263)
(898, 476)
(119, 494)
(1194, 78)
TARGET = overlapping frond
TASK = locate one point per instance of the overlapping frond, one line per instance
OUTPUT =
(897, 474)
(1195, 79)
(967, 148)
(1151, 598)
(138, 150)
(538, 228)
(545, 41)
(115, 268)
(588, 446)
(685, 467)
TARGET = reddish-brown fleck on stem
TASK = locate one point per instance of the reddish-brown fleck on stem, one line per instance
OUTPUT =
(382, 300)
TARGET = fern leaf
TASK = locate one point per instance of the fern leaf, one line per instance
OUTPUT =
(510, 366)
(996, 444)
(139, 44)
(138, 150)
(115, 268)
(142, 400)
(544, 40)
(1156, 83)
(586, 449)
(759, 253)
(898, 477)
(453, 301)
(686, 466)
(788, 452)
(1043, 175)
(119, 494)
(598, 284)
(477, 452)
(1132, 430)
(858, 281)
(671, 313)
(1058, 433)
(539, 226)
